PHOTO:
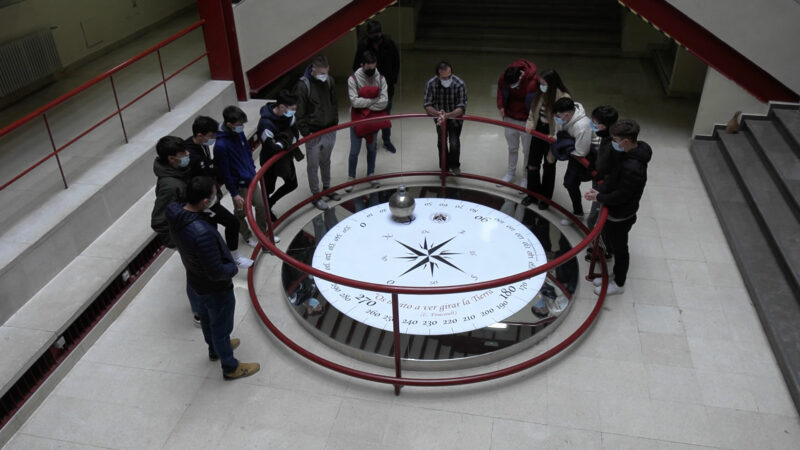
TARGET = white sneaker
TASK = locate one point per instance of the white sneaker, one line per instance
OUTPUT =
(276, 239)
(613, 289)
(349, 189)
(567, 222)
(599, 280)
(241, 261)
(524, 183)
(252, 241)
(320, 204)
(507, 178)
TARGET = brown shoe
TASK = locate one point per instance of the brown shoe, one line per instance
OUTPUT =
(234, 343)
(242, 370)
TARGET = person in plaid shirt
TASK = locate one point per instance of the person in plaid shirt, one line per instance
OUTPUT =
(445, 99)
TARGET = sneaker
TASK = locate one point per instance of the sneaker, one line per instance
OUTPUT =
(389, 147)
(196, 320)
(375, 184)
(349, 188)
(566, 221)
(243, 262)
(599, 280)
(543, 205)
(234, 345)
(524, 183)
(507, 178)
(252, 241)
(613, 289)
(455, 171)
(276, 239)
(588, 256)
(242, 370)
(333, 196)
(320, 204)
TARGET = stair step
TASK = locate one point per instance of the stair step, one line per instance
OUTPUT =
(518, 38)
(789, 119)
(538, 48)
(773, 296)
(781, 159)
(780, 225)
(516, 25)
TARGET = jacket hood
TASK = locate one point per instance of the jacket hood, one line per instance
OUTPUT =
(180, 218)
(165, 170)
(642, 152)
(529, 68)
(266, 111)
(579, 114)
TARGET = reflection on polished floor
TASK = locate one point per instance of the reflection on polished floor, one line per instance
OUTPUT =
(678, 361)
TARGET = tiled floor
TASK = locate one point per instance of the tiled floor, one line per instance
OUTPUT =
(678, 361)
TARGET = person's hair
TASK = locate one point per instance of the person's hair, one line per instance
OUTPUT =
(368, 57)
(320, 62)
(169, 146)
(605, 115)
(563, 105)
(625, 129)
(554, 84)
(373, 26)
(511, 75)
(204, 125)
(199, 189)
(442, 65)
(286, 98)
(233, 114)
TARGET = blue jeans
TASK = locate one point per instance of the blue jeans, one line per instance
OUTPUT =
(355, 149)
(216, 320)
(193, 299)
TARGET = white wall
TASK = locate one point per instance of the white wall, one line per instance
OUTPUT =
(720, 99)
(104, 22)
(639, 37)
(766, 32)
(265, 26)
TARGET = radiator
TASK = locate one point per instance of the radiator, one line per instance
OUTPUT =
(26, 60)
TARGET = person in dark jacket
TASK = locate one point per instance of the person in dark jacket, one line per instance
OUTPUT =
(204, 133)
(317, 110)
(388, 58)
(277, 131)
(171, 168)
(516, 90)
(234, 160)
(620, 192)
(209, 271)
(603, 118)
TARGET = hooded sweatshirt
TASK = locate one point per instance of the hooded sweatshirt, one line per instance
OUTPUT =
(276, 133)
(170, 187)
(234, 160)
(317, 108)
(580, 128)
(358, 80)
(208, 262)
(517, 101)
(624, 182)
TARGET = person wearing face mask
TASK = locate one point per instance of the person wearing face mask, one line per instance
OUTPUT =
(204, 133)
(171, 168)
(277, 131)
(517, 89)
(571, 119)
(234, 160)
(317, 110)
(541, 163)
(621, 191)
(445, 99)
(210, 269)
(366, 78)
(388, 64)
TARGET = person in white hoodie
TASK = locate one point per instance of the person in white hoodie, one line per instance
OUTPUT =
(366, 75)
(571, 118)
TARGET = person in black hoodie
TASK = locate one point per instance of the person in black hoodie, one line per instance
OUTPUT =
(209, 271)
(277, 131)
(620, 192)
(204, 133)
(171, 168)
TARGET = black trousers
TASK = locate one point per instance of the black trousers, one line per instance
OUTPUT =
(615, 236)
(453, 143)
(225, 218)
(541, 174)
(572, 181)
(283, 169)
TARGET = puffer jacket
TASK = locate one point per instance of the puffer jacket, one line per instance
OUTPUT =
(625, 180)
(170, 187)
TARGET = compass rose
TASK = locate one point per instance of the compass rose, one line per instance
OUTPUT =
(428, 256)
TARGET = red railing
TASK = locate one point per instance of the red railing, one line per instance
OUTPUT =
(592, 236)
(109, 75)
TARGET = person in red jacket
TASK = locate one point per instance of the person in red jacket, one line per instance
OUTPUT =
(516, 89)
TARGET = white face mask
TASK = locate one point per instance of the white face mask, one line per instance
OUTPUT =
(543, 88)
(322, 77)
(446, 83)
(515, 85)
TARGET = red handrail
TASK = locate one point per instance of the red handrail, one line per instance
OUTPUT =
(42, 111)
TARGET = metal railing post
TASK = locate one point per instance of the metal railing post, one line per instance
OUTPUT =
(119, 111)
(396, 330)
(163, 79)
(55, 150)
(444, 167)
(265, 199)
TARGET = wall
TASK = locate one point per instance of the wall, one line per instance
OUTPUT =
(766, 32)
(84, 27)
(639, 37)
(687, 76)
(720, 99)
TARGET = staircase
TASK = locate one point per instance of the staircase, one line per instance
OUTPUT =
(753, 179)
(565, 27)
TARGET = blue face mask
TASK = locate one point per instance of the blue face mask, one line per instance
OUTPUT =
(289, 113)
(594, 127)
(616, 146)
(210, 142)
(559, 120)
(239, 129)
(184, 162)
